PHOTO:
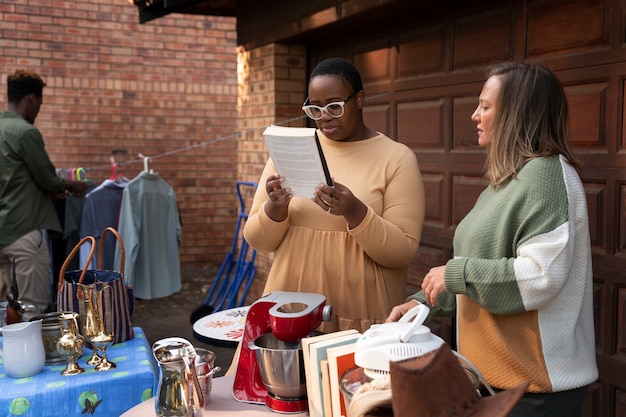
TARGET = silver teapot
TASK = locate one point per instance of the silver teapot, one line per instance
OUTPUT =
(178, 391)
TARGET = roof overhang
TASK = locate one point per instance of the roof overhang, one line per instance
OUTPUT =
(153, 9)
(260, 22)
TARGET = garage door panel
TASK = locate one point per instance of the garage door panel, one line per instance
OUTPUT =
(483, 37)
(566, 26)
(596, 195)
(586, 105)
(622, 95)
(377, 117)
(421, 52)
(433, 190)
(374, 62)
(420, 124)
(464, 134)
(622, 219)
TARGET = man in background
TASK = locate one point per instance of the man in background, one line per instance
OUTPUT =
(28, 180)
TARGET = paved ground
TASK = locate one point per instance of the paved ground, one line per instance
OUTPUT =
(170, 316)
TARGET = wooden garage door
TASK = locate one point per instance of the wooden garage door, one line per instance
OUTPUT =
(422, 76)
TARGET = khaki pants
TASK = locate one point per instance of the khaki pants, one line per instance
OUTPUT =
(32, 269)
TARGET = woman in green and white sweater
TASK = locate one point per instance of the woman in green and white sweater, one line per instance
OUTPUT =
(521, 278)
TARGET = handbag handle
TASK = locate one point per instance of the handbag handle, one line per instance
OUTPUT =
(120, 244)
(71, 256)
(92, 250)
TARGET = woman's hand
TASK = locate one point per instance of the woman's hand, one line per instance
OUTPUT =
(398, 311)
(277, 205)
(434, 284)
(338, 200)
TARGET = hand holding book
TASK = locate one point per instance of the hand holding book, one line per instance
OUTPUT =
(298, 157)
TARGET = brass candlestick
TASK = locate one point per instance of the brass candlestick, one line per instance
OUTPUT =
(93, 324)
(71, 344)
(102, 340)
(100, 343)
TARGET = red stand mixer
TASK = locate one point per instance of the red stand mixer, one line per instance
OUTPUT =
(270, 369)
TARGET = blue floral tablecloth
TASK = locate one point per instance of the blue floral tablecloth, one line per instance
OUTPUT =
(107, 394)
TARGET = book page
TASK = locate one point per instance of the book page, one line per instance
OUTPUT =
(326, 396)
(340, 359)
(297, 156)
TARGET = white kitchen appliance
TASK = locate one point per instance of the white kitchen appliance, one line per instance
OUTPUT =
(383, 343)
(404, 339)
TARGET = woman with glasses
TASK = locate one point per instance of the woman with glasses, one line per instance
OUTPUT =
(351, 242)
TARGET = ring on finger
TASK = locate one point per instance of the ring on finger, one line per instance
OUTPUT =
(328, 211)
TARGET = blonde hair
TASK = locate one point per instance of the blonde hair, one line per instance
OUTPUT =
(530, 122)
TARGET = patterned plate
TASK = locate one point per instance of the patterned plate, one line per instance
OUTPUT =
(225, 325)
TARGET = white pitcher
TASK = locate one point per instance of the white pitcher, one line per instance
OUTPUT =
(23, 354)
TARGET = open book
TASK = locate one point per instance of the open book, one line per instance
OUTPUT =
(297, 156)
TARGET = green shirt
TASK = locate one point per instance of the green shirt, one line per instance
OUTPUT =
(27, 178)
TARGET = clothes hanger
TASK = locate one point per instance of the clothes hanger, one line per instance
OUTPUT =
(118, 178)
(146, 159)
(114, 165)
(80, 174)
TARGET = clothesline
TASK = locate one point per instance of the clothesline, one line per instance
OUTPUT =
(142, 158)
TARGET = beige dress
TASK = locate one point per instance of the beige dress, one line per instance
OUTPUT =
(362, 271)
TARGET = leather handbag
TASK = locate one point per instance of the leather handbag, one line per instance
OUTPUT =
(117, 302)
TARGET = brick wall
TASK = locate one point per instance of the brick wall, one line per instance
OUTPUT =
(272, 86)
(167, 89)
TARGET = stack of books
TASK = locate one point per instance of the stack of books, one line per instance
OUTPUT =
(326, 357)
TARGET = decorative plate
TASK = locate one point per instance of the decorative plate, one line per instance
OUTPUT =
(226, 325)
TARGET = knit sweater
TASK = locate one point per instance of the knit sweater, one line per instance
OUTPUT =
(522, 282)
(361, 271)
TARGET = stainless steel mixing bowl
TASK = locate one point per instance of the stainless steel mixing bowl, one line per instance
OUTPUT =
(281, 366)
